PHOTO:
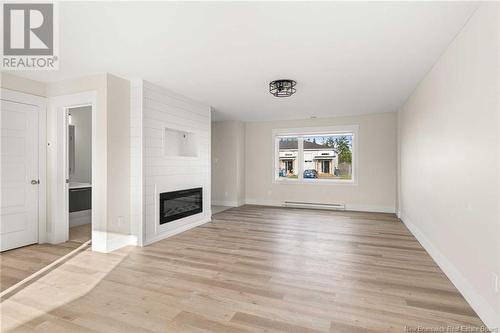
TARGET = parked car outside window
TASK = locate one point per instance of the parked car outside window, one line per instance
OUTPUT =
(310, 173)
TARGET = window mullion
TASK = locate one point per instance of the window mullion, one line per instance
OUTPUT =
(300, 158)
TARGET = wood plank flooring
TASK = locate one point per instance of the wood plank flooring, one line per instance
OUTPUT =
(18, 264)
(80, 233)
(253, 269)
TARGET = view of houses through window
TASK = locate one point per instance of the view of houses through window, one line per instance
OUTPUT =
(322, 156)
(288, 151)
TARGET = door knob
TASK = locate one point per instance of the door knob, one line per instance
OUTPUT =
(35, 182)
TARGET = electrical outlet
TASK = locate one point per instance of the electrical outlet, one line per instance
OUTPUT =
(121, 221)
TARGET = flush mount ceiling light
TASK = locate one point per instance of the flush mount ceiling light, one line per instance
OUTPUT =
(282, 88)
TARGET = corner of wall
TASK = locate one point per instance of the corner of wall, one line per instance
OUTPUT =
(136, 161)
(118, 155)
(477, 302)
(21, 84)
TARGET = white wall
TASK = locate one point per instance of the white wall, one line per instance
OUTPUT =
(18, 83)
(111, 179)
(111, 176)
(156, 172)
(81, 118)
(228, 163)
(98, 84)
(376, 186)
(449, 181)
(240, 162)
(118, 156)
(137, 161)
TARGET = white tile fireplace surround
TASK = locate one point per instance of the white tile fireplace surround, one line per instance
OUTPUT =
(170, 151)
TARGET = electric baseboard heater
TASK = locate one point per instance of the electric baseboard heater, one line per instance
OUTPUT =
(314, 205)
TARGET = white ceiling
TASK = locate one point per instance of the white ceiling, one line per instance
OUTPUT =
(347, 57)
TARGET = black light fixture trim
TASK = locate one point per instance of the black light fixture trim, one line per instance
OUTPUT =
(282, 88)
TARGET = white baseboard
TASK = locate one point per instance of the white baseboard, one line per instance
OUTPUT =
(486, 312)
(370, 208)
(227, 203)
(177, 230)
(264, 202)
(353, 207)
(106, 242)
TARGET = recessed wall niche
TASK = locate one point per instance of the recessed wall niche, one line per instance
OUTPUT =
(180, 143)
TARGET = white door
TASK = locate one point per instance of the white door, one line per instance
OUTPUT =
(19, 175)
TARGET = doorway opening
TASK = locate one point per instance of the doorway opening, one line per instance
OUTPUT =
(79, 172)
(74, 162)
(325, 166)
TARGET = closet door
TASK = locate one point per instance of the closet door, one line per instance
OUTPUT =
(19, 183)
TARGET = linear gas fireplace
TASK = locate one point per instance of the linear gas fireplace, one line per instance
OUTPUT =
(178, 204)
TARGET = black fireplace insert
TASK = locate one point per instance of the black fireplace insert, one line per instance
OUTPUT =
(178, 204)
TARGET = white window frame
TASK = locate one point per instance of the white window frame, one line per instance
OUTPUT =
(302, 132)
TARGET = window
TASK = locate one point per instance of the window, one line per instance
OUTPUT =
(328, 156)
(288, 162)
(315, 154)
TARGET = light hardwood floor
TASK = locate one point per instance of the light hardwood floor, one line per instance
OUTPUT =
(80, 233)
(254, 269)
(18, 264)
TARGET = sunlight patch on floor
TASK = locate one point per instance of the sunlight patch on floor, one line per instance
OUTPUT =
(64, 284)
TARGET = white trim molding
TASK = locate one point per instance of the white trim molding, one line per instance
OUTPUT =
(476, 301)
(348, 207)
(105, 242)
(370, 208)
(59, 213)
(227, 203)
(41, 103)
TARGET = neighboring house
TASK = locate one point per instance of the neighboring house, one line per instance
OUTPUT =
(318, 157)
